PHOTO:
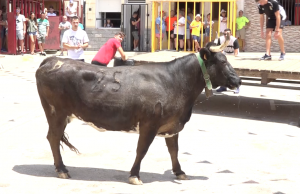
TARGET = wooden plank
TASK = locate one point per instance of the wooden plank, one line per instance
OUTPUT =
(271, 75)
(273, 65)
(293, 68)
(243, 64)
(284, 67)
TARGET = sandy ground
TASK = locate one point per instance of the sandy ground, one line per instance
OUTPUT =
(236, 144)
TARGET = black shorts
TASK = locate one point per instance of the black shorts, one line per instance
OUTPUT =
(180, 37)
(97, 63)
(171, 32)
(272, 24)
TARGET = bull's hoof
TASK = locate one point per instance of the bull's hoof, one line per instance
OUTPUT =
(182, 177)
(135, 180)
(63, 175)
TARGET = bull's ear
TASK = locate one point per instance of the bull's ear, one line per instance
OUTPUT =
(204, 54)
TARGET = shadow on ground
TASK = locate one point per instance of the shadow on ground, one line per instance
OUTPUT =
(248, 108)
(97, 174)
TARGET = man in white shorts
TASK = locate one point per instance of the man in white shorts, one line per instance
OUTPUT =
(20, 29)
(75, 40)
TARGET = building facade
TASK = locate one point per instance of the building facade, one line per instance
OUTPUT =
(119, 11)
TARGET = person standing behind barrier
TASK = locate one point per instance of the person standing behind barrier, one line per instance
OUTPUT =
(223, 20)
(63, 26)
(20, 29)
(51, 13)
(196, 26)
(75, 40)
(188, 32)
(207, 28)
(32, 30)
(71, 10)
(242, 23)
(158, 29)
(275, 14)
(181, 30)
(134, 30)
(107, 52)
(42, 32)
(170, 28)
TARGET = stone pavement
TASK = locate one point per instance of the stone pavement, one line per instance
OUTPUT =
(237, 144)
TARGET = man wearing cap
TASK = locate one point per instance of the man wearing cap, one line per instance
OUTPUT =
(196, 26)
(71, 10)
(223, 19)
(242, 23)
(160, 28)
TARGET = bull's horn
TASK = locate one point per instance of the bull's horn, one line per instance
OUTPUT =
(216, 49)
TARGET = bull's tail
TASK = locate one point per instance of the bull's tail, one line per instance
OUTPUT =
(65, 140)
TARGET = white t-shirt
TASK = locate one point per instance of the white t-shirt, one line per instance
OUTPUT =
(223, 25)
(181, 29)
(19, 21)
(51, 14)
(73, 38)
(233, 44)
(72, 9)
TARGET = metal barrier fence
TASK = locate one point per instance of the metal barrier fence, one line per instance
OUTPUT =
(157, 7)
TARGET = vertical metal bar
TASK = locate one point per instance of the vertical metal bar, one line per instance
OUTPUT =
(153, 27)
(202, 7)
(185, 26)
(139, 30)
(192, 29)
(219, 26)
(210, 23)
(169, 26)
(147, 29)
(228, 10)
(177, 40)
(234, 19)
(160, 31)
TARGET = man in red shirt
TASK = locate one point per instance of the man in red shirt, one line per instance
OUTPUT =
(170, 27)
(109, 49)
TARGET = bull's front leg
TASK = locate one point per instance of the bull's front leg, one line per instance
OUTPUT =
(172, 144)
(145, 139)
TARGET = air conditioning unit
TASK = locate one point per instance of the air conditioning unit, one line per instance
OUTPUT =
(136, 1)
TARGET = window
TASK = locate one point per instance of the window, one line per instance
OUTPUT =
(114, 17)
(292, 9)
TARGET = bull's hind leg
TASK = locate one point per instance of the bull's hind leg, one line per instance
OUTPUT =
(57, 125)
(145, 139)
(172, 144)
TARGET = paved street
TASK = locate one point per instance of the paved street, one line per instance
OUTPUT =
(237, 144)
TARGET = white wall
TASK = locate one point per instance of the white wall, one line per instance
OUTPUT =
(108, 6)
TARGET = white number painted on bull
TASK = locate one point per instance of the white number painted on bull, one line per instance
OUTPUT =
(99, 87)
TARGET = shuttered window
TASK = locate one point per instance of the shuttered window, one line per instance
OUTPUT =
(136, 1)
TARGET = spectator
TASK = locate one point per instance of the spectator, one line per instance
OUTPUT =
(71, 10)
(42, 32)
(170, 27)
(81, 26)
(190, 13)
(196, 26)
(31, 30)
(4, 29)
(242, 23)
(108, 24)
(51, 12)
(207, 28)
(20, 29)
(181, 30)
(232, 48)
(134, 30)
(158, 29)
(286, 22)
(75, 40)
(188, 32)
(46, 12)
(107, 52)
(63, 26)
(223, 19)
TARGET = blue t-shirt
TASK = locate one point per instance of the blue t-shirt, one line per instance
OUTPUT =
(81, 26)
(157, 21)
(187, 24)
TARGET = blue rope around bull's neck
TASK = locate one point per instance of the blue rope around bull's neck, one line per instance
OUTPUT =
(205, 74)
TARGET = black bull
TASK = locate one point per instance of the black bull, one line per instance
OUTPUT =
(151, 99)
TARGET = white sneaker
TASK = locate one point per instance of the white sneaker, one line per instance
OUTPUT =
(136, 49)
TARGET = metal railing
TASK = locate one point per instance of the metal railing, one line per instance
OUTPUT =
(292, 9)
